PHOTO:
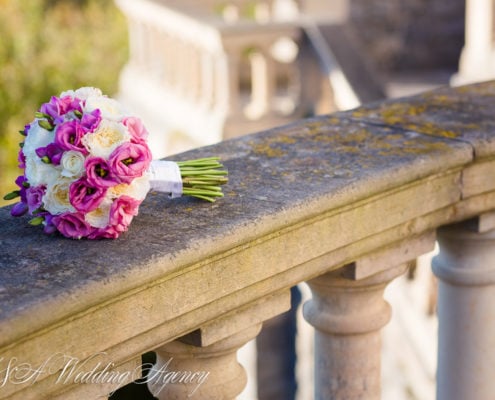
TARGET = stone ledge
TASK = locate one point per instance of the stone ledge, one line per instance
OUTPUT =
(353, 179)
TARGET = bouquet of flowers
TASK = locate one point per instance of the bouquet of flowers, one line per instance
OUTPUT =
(87, 168)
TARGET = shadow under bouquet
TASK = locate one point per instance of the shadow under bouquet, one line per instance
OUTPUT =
(87, 167)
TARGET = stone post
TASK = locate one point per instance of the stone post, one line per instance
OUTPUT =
(263, 82)
(212, 372)
(347, 316)
(478, 55)
(203, 364)
(347, 311)
(466, 312)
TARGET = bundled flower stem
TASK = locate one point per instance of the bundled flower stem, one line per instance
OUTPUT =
(202, 178)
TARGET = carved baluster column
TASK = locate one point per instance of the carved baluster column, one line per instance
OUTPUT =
(347, 311)
(466, 312)
(203, 364)
(207, 79)
(477, 57)
(263, 82)
(212, 372)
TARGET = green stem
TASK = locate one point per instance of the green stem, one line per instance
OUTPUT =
(202, 178)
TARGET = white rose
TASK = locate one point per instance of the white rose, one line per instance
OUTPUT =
(138, 189)
(56, 199)
(72, 163)
(82, 93)
(110, 108)
(38, 173)
(106, 138)
(37, 137)
(100, 217)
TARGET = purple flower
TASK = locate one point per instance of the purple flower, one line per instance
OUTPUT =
(90, 121)
(130, 161)
(72, 225)
(53, 152)
(21, 159)
(22, 182)
(67, 104)
(34, 197)
(24, 132)
(58, 107)
(51, 108)
(137, 130)
(49, 226)
(19, 209)
(68, 136)
(84, 197)
(98, 173)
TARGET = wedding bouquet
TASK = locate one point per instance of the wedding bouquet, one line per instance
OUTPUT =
(87, 168)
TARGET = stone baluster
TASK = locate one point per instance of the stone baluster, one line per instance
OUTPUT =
(140, 45)
(194, 73)
(155, 58)
(263, 82)
(212, 372)
(465, 268)
(203, 364)
(134, 33)
(229, 89)
(196, 70)
(478, 55)
(207, 77)
(348, 311)
(168, 73)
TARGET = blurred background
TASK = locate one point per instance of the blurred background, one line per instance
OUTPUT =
(46, 47)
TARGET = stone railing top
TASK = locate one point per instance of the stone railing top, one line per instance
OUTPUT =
(200, 25)
(328, 182)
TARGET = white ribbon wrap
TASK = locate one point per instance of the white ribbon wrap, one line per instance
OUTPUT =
(165, 177)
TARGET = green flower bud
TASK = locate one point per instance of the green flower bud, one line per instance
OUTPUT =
(39, 114)
(12, 195)
(36, 221)
(45, 124)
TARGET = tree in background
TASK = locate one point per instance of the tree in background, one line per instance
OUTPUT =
(46, 47)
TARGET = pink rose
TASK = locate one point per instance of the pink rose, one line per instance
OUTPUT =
(98, 173)
(72, 225)
(104, 233)
(122, 211)
(85, 197)
(130, 161)
(68, 136)
(137, 130)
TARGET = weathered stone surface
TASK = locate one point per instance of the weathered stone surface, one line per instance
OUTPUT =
(389, 257)
(302, 200)
(461, 113)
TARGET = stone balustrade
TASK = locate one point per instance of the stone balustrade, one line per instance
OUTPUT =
(229, 69)
(341, 201)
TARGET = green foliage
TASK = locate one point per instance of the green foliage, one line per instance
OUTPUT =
(46, 47)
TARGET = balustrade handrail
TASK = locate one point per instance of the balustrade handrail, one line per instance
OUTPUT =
(302, 199)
